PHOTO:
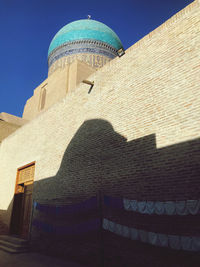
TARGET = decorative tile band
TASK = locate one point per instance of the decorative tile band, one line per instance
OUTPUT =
(188, 243)
(91, 42)
(94, 60)
(184, 207)
(84, 46)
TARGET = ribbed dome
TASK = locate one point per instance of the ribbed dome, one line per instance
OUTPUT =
(85, 29)
(87, 40)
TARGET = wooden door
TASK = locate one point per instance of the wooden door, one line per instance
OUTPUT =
(16, 214)
(22, 205)
(27, 208)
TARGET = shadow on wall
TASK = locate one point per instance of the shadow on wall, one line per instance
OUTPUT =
(3, 226)
(5, 216)
(100, 159)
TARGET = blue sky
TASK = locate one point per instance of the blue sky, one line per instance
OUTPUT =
(27, 27)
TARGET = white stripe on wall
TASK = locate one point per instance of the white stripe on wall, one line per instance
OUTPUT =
(189, 243)
(184, 207)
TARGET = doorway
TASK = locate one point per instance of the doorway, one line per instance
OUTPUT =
(22, 202)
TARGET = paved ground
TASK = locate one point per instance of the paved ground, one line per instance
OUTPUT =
(32, 260)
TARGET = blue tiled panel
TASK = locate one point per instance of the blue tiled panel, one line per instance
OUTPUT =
(80, 47)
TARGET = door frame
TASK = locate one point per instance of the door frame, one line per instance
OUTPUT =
(19, 169)
(16, 191)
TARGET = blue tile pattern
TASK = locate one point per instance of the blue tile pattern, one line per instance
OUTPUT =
(80, 47)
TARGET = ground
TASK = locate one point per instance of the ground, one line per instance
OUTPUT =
(32, 260)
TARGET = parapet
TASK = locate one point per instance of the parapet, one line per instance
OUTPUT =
(8, 124)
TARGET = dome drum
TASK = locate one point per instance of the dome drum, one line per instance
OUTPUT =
(87, 40)
(81, 47)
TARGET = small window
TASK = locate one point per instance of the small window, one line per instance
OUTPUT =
(25, 175)
(42, 98)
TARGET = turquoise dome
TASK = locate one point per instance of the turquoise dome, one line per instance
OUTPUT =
(85, 29)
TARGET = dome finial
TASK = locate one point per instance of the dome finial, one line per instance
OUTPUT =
(89, 16)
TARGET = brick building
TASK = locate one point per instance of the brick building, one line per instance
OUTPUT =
(108, 148)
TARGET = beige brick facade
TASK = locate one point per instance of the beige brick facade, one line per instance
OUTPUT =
(9, 124)
(6, 129)
(56, 87)
(152, 89)
(134, 135)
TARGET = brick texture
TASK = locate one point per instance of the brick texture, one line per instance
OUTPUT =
(135, 135)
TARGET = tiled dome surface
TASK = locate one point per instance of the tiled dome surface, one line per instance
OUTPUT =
(85, 29)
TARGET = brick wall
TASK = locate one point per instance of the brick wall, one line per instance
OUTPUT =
(56, 87)
(136, 134)
(6, 129)
(3, 226)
